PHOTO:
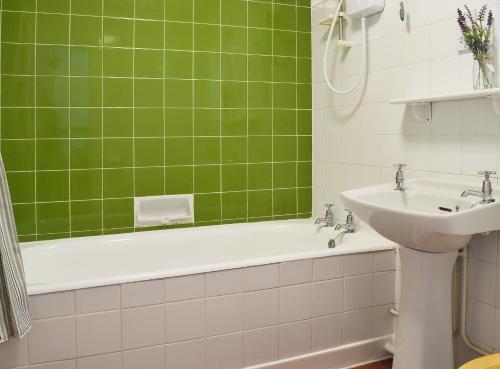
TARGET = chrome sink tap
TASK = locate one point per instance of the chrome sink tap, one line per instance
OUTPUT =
(400, 177)
(349, 226)
(328, 219)
(486, 192)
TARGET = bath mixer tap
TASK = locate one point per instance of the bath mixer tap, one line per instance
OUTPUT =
(400, 177)
(349, 226)
(328, 219)
(486, 192)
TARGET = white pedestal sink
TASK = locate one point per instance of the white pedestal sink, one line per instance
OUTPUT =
(432, 222)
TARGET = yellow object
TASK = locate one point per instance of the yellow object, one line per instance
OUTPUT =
(485, 362)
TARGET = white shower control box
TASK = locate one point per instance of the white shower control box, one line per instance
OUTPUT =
(163, 210)
(364, 8)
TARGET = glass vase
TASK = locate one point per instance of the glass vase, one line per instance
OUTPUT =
(483, 72)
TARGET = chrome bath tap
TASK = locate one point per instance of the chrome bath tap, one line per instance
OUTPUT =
(400, 177)
(349, 226)
(486, 193)
(328, 219)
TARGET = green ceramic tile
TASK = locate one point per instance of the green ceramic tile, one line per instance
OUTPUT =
(85, 61)
(304, 96)
(20, 60)
(285, 148)
(206, 37)
(260, 203)
(284, 122)
(25, 216)
(178, 64)
(285, 95)
(118, 213)
(207, 150)
(260, 95)
(260, 14)
(207, 178)
(18, 91)
(304, 19)
(118, 32)
(207, 11)
(53, 6)
(118, 62)
(148, 93)
(285, 43)
(150, 9)
(260, 122)
(304, 202)
(234, 12)
(179, 11)
(118, 92)
(86, 184)
(86, 91)
(260, 149)
(26, 5)
(52, 217)
(207, 122)
(118, 122)
(179, 151)
(285, 69)
(234, 94)
(234, 150)
(148, 122)
(306, 3)
(285, 17)
(119, 8)
(234, 122)
(304, 148)
(285, 202)
(304, 70)
(304, 174)
(52, 154)
(260, 68)
(234, 67)
(260, 176)
(207, 65)
(118, 183)
(207, 207)
(148, 63)
(52, 186)
(207, 94)
(178, 36)
(304, 122)
(178, 93)
(179, 180)
(86, 215)
(52, 123)
(52, 91)
(234, 205)
(19, 155)
(234, 177)
(52, 29)
(178, 122)
(284, 175)
(86, 30)
(149, 34)
(149, 181)
(52, 60)
(146, 152)
(234, 39)
(22, 186)
(304, 45)
(86, 153)
(118, 152)
(260, 41)
(18, 123)
(87, 7)
(18, 27)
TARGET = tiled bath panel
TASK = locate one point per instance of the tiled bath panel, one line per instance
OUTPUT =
(222, 320)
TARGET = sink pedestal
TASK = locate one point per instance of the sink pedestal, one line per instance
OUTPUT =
(424, 331)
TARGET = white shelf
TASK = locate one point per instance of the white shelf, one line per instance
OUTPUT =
(422, 105)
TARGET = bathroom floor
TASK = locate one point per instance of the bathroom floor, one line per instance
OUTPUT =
(386, 364)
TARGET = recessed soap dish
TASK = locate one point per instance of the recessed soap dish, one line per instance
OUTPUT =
(163, 210)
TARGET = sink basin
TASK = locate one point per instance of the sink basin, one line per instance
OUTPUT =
(428, 216)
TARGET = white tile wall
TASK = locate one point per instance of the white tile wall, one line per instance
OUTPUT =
(176, 323)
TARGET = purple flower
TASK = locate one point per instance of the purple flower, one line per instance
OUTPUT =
(490, 19)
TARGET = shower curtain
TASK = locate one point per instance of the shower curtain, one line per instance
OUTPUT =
(15, 320)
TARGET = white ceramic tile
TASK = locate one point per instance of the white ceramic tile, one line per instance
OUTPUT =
(327, 332)
(52, 340)
(481, 322)
(147, 358)
(184, 288)
(496, 332)
(296, 302)
(328, 268)
(357, 325)
(416, 45)
(65, 364)
(186, 355)
(446, 153)
(384, 261)
(225, 352)
(484, 248)
(143, 293)
(14, 353)
(443, 40)
(260, 346)
(358, 292)
(382, 321)
(295, 339)
(356, 264)
(224, 282)
(482, 278)
(185, 320)
(328, 297)
(295, 272)
(261, 277)
(142, 327)
(98, 333)
(479, 153)
(92, 300)
(224, 314)
(384, 285)
(107, 361)
(261, 308)
(52, 305)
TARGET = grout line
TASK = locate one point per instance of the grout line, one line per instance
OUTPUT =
(70, 220)
(102, 117)
(35, 117)
(221, 104)
(193, 109)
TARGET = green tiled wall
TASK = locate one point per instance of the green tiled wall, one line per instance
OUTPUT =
(104, 100)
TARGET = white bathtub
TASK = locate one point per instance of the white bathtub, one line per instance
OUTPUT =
(71, 264)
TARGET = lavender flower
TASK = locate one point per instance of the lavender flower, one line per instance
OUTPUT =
(476, 36)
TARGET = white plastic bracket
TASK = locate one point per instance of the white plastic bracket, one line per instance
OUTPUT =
(422, 112)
